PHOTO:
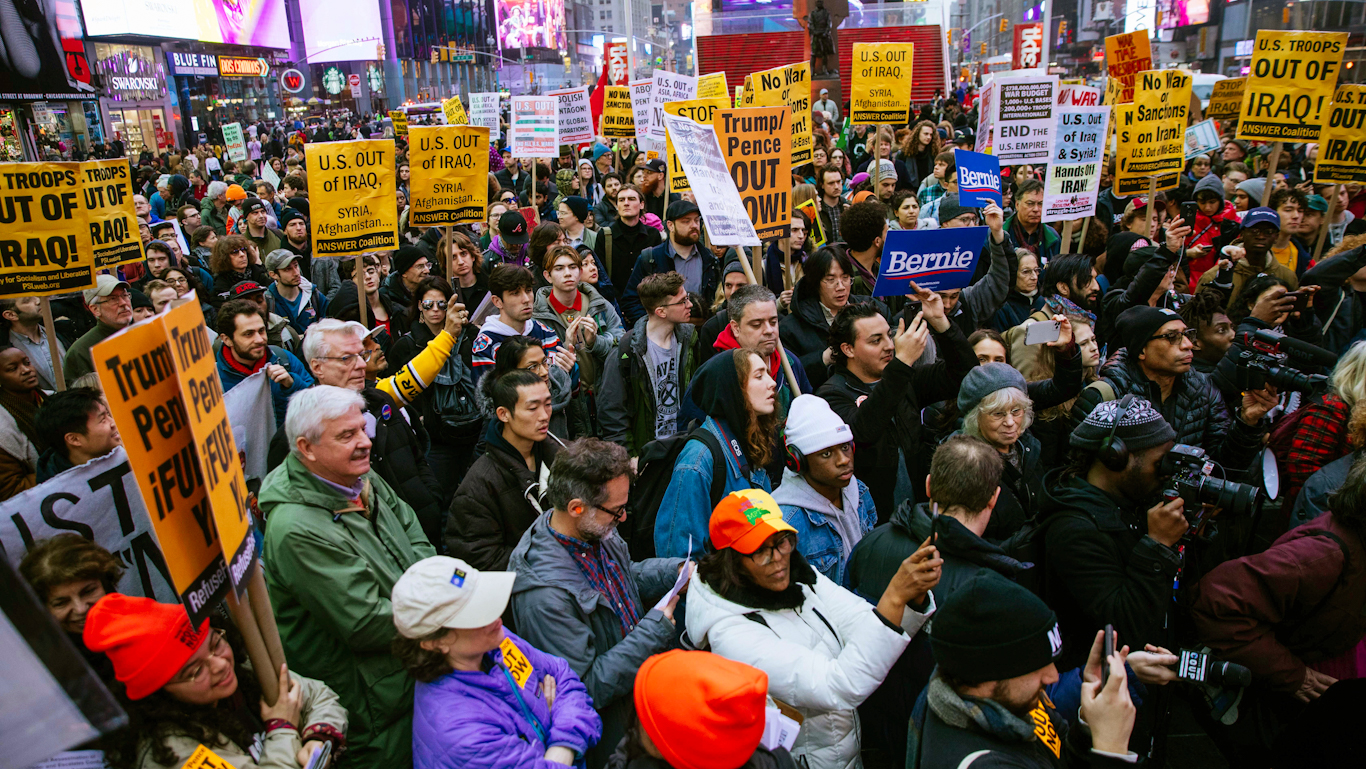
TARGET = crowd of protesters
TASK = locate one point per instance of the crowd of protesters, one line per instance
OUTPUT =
(904, 522)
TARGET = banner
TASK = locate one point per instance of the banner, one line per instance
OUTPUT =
(573, 116)
(1342, 145)
(1028, 51)
(986, 118)
(1127, 55)
(618, 120)
(1074, 95)
(1073, 184)
(712, 85)
(938, 260)
(702, 161)
(1226, 101)
(618, 72)
(666, 87)
(1024, 119)
(107, 186)
(754, 142)
(449, 183)
(43, 232)
(352, 185)
(1152, 132)
(790, 85)
(236, 143)
(484, 112)
(400, 120)
(534, 126)
(1291, 86)
(881, 92)
(1201, 138)
(454, 111)
(251, 410)
(696, 110)
(979, 178)
(640, 108)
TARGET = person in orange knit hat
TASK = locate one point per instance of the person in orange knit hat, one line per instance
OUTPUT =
(183, 686)
(696, 710)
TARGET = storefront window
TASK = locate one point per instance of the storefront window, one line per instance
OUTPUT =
(11, 145)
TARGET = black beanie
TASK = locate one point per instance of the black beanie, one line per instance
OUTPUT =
(991, 629)
(1136, 326)
(577, 206)
(404, 259)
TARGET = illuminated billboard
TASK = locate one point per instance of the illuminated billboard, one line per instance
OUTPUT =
(530, 23)
(238, 22)
(1182, 13)
(340, 30)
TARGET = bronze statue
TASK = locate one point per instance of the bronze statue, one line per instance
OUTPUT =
(822, 44)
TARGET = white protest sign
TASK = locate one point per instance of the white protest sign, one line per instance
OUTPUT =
(667, 87)
(1073, 183)
(1073, 95)
(986, 103)
(1024, 120)
(640, 107)
(484, 112)
(532, 132)
(251, 412)
(1201, 138)
(268, 174)
(700, 155)
(237, 144)
(573, 116)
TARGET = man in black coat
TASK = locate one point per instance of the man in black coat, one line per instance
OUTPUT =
(618, 246)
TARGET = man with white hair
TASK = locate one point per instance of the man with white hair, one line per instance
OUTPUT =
(213, 212)
(338, 540)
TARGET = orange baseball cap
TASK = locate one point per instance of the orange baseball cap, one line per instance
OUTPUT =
(744, 520)
(701, 710)
(235, 192)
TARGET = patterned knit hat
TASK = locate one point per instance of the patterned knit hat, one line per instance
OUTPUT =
(1141, 427)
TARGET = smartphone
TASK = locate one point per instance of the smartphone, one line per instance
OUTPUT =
(1043, 331)
(1108, 647)
(1188, 211)
(1301, 299)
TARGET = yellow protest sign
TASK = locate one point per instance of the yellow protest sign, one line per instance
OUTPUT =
(1127, 55)
(1152, 132)
(747, 92)
(44, 241)
(881, 92)
(739, 94)
(697, 110)
(1291, 86)
(400, 121)
(754, 142)
(713, 85)
(450, 179)
(1342, 145)
(618, 118)
(791, 86)
(107, 189)
(1226, 101)
(516, 662)
(455, 111)
(352, 187)
(203, 758)
(815, 234)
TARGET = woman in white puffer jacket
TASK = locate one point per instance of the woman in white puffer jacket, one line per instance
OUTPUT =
(825, 650)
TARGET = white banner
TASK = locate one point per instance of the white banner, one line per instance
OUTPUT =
(700, 155)
(251, 412)
(484, 112)
(1073, 183)
(237, 144)
(640, 108)
(666, 87)
(573, 116)
(1025, 116)
(532, 131)
(1201, 138)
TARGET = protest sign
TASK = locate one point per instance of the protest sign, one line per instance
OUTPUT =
(739, 94)
(618, 120)
(979, 178)
(1226, 101)
(1024, 120)
(938, 260)
(107, 189)
(44, 238)
(251, 411)
(1201, 138)
(1073, 95)
(700, 155)
(1342, 145)
(351, 185)
(533, 129)
(713, 85)
(400, 120)
(986, 105)
(881, 91)
(640, 108)
(1073, 183)
(815, 234)
(1152, 132)
(665, 87)
(450, 183)
(754, 142)
(484, 112)
(790, 85)
(1127, 55)
(573, 116)
(203, 758)
(697, 110)
(236, 143)
(746, 98)
(454, 111)
(1288, 94)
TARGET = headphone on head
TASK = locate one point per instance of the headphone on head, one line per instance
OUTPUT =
(795, 459)
(1112, 452)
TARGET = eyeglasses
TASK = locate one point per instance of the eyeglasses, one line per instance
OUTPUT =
(686, 300)
(433, 304)
(1031, 272)
(1174, 337)
(764, 555)
(350, 358)
(539, 367)
(181, 281)
(618, 513)
(1016, 413)
(837, 280)
(218, 647)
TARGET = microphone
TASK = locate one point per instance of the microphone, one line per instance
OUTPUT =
(1303, 350)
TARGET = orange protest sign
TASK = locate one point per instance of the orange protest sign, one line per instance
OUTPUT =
(1127, 55)
(757, 145)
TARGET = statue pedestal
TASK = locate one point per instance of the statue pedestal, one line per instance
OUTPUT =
(831, 83)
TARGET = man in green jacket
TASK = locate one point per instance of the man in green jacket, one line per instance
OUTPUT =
(337, 539)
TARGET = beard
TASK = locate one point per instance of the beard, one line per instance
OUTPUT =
(1001, 694)
(684, 239)
(594, 533)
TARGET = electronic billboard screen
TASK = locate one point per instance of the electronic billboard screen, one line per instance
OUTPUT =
(530, 23)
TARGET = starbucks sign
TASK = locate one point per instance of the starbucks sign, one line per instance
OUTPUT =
(376, 78)
(333, 80)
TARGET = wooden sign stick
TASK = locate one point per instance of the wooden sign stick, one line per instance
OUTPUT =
(267, 674)
(53, 351)
(1066, 236)
(1271, 173)
(1327, 222)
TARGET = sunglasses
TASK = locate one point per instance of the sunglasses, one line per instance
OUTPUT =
(433, 304)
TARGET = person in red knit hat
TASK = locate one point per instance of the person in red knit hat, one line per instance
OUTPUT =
(183, 686)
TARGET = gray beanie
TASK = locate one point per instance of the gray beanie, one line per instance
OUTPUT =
(1254, 189)
(985, 380)
(950, 209)
(1142, 427)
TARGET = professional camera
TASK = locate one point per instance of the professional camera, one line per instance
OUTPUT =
(1201, 668)
(1267, 357)
(1188, 471)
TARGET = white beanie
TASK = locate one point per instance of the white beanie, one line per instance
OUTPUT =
(812, 426)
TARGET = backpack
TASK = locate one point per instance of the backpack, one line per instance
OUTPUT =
(454, 400)
(655, 468)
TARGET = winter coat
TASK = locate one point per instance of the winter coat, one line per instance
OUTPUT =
(608, 323)
(345, 305)
(1049, 243)
(825, 650)
(979, 302)
(818, 538)
(1296, 604)
(1339, 306)
(331, 572)
(497, 501)
(397, 293)
(1015, 310)
(627, 243)
(229, 377)
(320, 706)
(494, 331)
(626, 394)
(210, 217)
(312, 305)
(1314, 496)
(477, 720)
(659, 259)
(685, 510)
(1134, 293)
(557, 610)
(1021, 488)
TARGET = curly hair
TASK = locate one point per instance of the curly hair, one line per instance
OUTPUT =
(910, 146)
(762, 428)
(221, 259)
(68, 558)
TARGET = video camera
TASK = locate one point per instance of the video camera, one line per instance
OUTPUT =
(1201, 668)
(1188, 471)
(1268, 357)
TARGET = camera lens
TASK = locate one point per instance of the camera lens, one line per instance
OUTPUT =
(1232, 498)
(1229, 674)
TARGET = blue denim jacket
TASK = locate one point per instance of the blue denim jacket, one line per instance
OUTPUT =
(818, 539)
(686, 507)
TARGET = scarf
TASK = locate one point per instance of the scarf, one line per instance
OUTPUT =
(22, 408)
(1061, 305)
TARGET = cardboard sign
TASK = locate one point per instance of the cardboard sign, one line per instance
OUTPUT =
(705, 166)
(235, 141)
(881, 92)
(203, 758)
(698, 110)
(1152, 132)
(44, 240)
(815, 234)
(454, 111)
(1127, 55)
(938, 260)
(573, 116)
(1226, 101)
(1342, 145)
(709, 86)
(790, 85)
(352, 186)
(666, 87)
(1074, 95)
(640, 107)
(1024, 120)
(534, 127)
(484, 112)
(618, 119)
(107, 190)
(979, 178)
(400, 120)
(986, 118)
(449, 184)
(1073, 184)
(754, 142)
(1290, 90)
(1201, 138)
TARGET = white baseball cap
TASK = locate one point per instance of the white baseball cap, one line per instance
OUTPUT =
(443, 592)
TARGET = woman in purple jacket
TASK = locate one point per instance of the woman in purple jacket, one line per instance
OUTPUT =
(485, 699)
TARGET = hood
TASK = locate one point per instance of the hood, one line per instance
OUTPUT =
(958, 540)
(716, 390)
(706, 607)
(51, 462)
(1210, 183)
(179, 184)
(796, 492)
(494, 326)
(428, 243)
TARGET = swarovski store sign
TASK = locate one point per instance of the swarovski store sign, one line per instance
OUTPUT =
(129, 72)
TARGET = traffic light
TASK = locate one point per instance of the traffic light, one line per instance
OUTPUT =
(1005, 23)
(436, 55)
(984, 49)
